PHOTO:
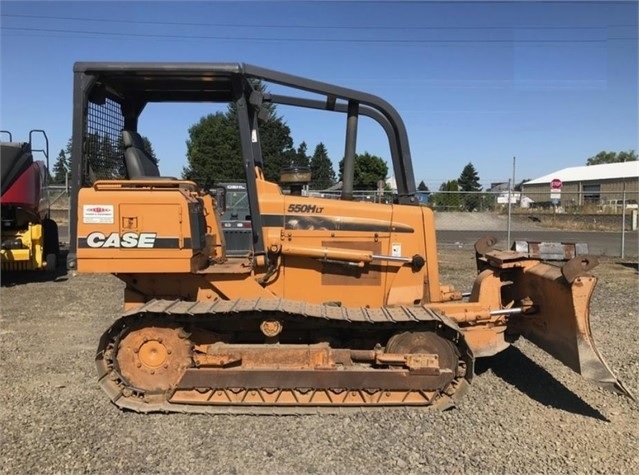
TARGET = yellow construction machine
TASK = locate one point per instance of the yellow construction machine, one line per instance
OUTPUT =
(28, 234)
(337, 303)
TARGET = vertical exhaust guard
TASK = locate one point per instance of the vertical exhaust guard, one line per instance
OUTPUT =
(561, 324)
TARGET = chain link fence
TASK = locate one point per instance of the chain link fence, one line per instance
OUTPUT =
(474, 202)
(619, 214)
(582, 204)
(576, 210)
(59, 196)
(482, 201)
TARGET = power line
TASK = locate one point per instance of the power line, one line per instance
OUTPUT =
(314, 40)
(313, 27)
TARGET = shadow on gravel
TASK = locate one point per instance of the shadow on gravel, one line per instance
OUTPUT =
(631, 265)
(515, 368)
(10, 279)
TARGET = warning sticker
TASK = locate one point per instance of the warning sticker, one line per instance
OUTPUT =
(97, 214)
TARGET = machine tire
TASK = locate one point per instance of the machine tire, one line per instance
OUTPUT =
(51, 244)
(51, 262)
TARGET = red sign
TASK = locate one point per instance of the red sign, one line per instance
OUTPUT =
(555, 184)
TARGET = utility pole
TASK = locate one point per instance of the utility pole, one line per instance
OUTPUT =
(623, 221)
(511, 184)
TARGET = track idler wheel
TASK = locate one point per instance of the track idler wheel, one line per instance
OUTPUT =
(153, 359)
(425, 342)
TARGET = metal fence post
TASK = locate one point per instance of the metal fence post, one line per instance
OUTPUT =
(509, 211)
(511, 184)
(623, 221)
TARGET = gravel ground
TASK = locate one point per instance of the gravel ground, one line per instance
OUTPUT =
(525, 412)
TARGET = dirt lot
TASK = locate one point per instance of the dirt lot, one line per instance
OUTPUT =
(525, 413)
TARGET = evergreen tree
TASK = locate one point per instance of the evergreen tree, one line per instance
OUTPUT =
(92, 146)
(469, 179)
(612, 157)
(67, 149)
(105, 155)
(111, 158)
(519, 186)
(301, 158)
(148, 148)
(423, 193)
(448, 198)
(368, 170)
(60, 169)
(322, 172)
(274, 135)
(277, 147)
(213, 151)
(469, 183)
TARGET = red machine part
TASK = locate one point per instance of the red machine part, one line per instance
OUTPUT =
(27, 190)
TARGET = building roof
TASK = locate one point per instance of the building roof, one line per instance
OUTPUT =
(606, 171)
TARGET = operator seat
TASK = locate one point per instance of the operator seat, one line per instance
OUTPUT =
(137, 162)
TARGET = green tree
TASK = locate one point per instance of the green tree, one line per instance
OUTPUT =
(60, 169)
(423, 193)
(111, 158)
(469, 183)
(301, 159)
(290, 158)
(277, 147)
(148, 148)
(422, 186)
(275, 138)
(519, 186)
(469, 179)
(368, 170)
(105, 155)
(105, 158)
(322, 172)
(67, 149)
(448, 197)
(213, 151)
(612, 157)
(92, 146)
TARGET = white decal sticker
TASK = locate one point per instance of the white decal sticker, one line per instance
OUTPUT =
(127, 240)
(97, 214)
(396, 250)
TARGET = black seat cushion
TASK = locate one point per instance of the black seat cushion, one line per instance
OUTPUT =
(136, 160)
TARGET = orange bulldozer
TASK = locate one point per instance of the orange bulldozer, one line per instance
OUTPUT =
(334, 302)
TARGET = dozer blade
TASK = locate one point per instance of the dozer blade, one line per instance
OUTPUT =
(561, 324)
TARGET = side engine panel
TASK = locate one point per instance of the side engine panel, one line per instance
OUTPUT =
(141, 229)
(321, 244)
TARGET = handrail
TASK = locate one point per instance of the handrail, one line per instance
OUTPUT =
(146, 183)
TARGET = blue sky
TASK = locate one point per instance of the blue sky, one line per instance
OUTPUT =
(551, 83)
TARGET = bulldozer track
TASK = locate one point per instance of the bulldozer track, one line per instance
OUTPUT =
(311, 391)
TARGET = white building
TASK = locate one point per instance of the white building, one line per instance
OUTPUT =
(596, 184)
